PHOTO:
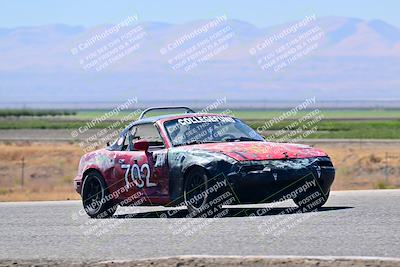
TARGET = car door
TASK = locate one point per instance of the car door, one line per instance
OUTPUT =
(143, 173)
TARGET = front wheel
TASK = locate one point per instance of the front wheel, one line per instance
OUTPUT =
(200, 200)
(95, 197)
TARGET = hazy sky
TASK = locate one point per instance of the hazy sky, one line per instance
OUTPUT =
(261, 13)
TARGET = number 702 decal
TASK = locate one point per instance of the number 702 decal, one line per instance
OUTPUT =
(140, 175)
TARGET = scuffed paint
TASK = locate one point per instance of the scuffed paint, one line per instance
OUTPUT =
(100, 159)
(251, 167)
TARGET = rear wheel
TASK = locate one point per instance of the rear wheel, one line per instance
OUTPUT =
(95, 197)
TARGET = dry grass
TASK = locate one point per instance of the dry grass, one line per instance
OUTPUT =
(48, 173)
(50, 168)
(57, 193)
(365, 165)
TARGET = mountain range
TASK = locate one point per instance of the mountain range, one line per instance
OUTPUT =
(351, 59)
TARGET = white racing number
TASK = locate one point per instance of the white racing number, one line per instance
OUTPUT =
(140, 176)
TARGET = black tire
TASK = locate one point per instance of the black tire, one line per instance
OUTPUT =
(314, 203)
(198, 204)
(94, 192)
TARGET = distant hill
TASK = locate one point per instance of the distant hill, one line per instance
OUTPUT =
(354, 59)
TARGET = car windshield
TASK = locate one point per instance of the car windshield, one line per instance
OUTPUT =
(209, 129)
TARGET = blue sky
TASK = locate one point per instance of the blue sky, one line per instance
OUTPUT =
(261, 13)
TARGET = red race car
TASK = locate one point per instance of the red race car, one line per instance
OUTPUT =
(202, 161)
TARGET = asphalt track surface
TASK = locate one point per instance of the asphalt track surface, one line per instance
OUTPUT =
(352, 223)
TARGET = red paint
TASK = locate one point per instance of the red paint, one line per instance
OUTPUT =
(142, 145)
(260, 150)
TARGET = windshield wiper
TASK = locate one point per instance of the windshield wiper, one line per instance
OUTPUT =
(242, 138)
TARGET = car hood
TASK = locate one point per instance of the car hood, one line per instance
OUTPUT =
(244, 151)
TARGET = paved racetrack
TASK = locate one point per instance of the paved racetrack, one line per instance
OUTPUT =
(352, 223)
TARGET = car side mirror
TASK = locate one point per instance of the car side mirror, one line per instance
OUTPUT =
(142, 145)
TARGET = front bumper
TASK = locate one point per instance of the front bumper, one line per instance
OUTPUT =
(272, 180)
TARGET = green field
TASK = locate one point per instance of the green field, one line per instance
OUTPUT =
(267, 114)
(35, 113)
(363, 129)
(348, 123)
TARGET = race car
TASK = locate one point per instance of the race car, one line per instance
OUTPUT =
(202, 161)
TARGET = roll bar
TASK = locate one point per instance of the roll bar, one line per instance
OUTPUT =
(188, 110)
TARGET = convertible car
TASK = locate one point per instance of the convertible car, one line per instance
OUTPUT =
(201, 161)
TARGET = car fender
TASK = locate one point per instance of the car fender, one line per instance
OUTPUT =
(181, 161)
(100, 160)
